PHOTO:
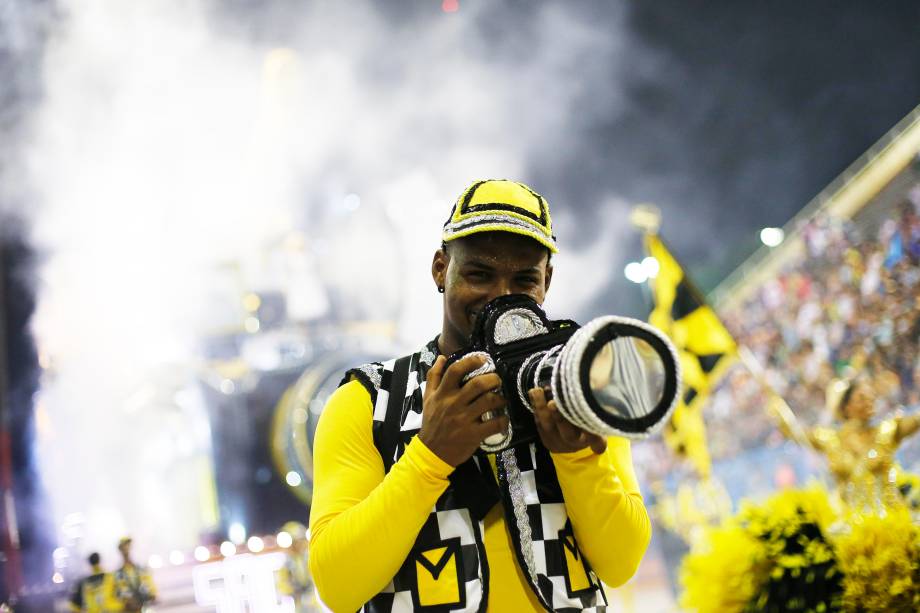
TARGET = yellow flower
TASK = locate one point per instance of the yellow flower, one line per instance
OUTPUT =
(880, 559)
(780, 538)
(725, 573)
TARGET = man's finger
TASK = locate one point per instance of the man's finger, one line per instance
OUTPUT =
(490, 401)
(499, 425)
(456, 371)
(435, 373)
(537, 398)
(479, 385)
(539, 410)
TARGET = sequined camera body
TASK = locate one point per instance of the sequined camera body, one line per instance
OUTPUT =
(615, 375)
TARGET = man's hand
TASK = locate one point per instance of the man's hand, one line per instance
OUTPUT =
(557, 434)
(451, 416)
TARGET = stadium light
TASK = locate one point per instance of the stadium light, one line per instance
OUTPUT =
(176, 557)
(255, 544)
(202, 554)
(635, 272)
(284, 540)
(237, 533)
(651, 267)
(293, 478)
(227, 549)
(771, 237)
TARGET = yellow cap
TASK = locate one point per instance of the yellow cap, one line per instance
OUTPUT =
(499, 205)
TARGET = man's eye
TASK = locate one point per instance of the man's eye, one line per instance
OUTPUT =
(527, 281)
(477, 275)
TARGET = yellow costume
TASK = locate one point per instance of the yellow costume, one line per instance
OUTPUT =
(861, 459)
(364, 521)
(860, 455)
(95, 593)
(134, 587)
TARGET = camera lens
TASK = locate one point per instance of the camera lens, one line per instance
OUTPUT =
(617, 375)
(626, 377)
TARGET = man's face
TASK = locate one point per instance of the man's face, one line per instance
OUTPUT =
(481, 267)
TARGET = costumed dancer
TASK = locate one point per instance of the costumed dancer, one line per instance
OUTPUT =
(860, 454)
(95, 593)
(133, 584)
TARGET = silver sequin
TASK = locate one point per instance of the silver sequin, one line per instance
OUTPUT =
(426, 356)
(373, 373)
(516, 489)
(515, 324)
(487, 366)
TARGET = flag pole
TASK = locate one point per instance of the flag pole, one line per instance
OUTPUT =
(780, 408)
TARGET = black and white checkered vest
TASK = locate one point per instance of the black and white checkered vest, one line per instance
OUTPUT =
(447, 569)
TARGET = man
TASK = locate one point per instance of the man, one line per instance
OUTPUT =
(294, 578)
(407, 515)
(133, 584)
(96, 592)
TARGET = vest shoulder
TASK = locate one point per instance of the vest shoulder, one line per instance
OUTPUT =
(369, 375)
(376, 375)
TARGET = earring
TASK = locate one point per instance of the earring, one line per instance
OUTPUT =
(440, 289)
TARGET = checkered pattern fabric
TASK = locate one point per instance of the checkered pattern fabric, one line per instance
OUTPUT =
(449, 547)
(542, 533)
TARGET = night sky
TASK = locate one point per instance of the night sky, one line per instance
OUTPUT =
(748, 111)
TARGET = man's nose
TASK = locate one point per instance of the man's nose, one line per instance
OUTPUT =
(501, 288)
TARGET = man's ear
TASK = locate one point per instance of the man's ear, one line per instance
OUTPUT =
(548, 278)
(439, 267)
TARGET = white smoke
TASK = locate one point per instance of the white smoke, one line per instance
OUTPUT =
(173, 162)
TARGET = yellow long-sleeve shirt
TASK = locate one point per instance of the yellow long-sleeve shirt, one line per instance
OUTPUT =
(363, 522)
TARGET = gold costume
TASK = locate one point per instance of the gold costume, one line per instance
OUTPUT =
(860, 454)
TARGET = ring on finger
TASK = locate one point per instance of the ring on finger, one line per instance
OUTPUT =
(492, 414)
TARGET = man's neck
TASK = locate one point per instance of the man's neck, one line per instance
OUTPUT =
(447, 345)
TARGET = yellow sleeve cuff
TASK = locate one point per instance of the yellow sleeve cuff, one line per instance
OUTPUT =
(427, 461)
(572, 456)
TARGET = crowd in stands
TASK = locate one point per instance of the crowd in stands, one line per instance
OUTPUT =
(850, 305)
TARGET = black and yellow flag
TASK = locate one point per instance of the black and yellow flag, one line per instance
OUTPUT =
(704, 345)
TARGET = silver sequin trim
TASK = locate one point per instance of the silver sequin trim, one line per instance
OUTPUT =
(502, 440)
(512, 223)
(426, 356)
(516, 488)
(487, 366)
(516, 324)
(373, 373)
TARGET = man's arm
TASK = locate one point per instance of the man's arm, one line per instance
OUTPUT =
(363, 523)
(907, 425)
(603, 501)
(601, 492)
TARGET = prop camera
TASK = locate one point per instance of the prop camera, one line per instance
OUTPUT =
(614, 375)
